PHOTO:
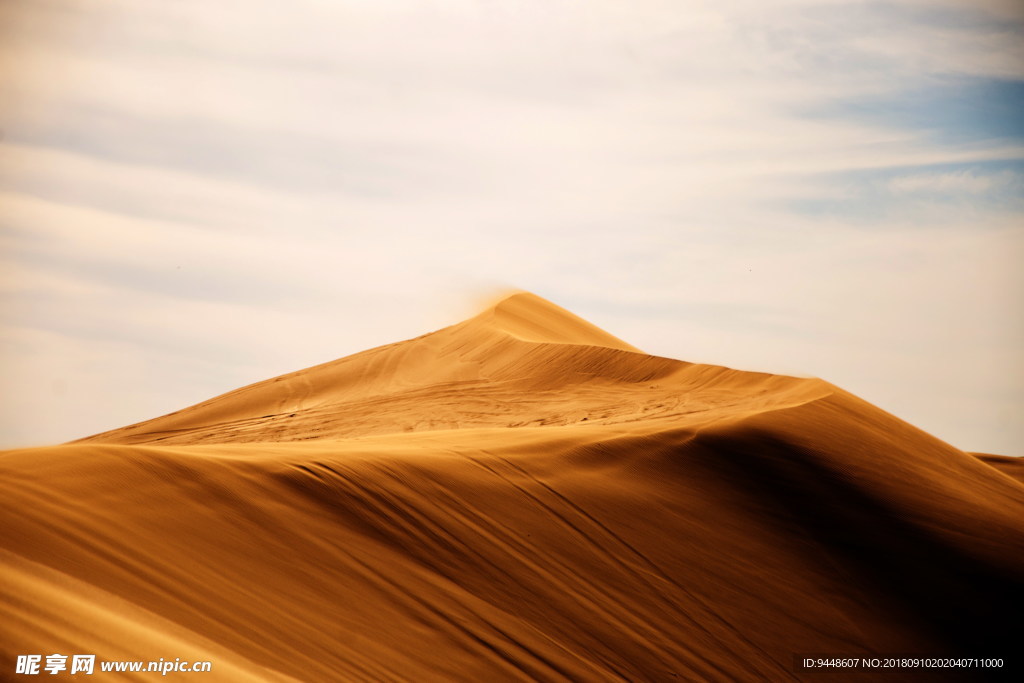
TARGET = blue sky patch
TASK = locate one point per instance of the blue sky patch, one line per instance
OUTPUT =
(959, 111)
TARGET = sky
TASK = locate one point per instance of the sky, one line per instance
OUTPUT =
(199, 195)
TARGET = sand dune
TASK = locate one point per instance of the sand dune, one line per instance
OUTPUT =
(523, 362)
(520, 496)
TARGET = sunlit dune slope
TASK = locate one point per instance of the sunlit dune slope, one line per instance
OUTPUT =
(517, 497)
(521, 362)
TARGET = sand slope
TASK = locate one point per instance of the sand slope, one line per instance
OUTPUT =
(517, 497)
(522, 362)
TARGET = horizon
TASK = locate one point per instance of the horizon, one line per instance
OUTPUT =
(198, 198)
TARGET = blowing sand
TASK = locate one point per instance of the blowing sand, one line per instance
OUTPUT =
(521, 496)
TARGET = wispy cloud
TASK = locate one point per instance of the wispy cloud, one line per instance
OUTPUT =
(968, 182)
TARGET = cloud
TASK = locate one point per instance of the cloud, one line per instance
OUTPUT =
(945, 196)
(968, 182)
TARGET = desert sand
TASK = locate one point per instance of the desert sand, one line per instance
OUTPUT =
(521, 496)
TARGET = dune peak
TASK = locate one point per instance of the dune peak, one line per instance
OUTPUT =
(529, 317)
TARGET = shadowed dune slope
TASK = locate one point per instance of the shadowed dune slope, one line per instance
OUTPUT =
(517, 497)
(1010, 466)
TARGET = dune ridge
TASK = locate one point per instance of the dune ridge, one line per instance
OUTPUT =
(520, 496)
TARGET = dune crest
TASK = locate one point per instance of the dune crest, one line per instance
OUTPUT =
(528, 317)
(520, 496)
